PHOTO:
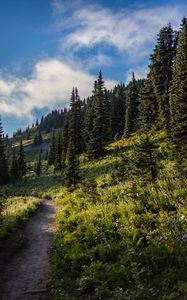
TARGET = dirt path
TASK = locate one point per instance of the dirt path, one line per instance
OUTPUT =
(24, 275)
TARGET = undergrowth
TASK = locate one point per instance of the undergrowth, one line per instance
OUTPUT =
(15, 211)
(120, 237)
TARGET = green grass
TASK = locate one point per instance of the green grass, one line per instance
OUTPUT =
(14, 211)
(121, 238)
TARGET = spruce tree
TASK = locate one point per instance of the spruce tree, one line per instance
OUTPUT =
(38, 167)
(78, 123)
(58, 152)
(178, 95)
(88, 124)
(14, 174)
(3, 159)
(51, 155)
(100, 131)
(132, 112)
(37, 138)
(65, 138)
(144, 164)
(71, 170)
(161, 73)
(21, 161)
(75, 121)
(117, 111)
(148, 106)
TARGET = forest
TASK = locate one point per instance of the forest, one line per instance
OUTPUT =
(114, 165)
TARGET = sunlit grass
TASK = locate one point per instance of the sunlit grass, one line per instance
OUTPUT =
(15, 211)
(122, 239)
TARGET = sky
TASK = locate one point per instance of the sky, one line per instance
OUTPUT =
(49, 46)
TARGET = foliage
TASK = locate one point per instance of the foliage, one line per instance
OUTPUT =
(15, 211)
(123, 240)
(179, 92)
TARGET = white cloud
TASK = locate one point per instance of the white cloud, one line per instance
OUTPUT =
(59, 7)
(49, 86)
(127, 31)
(139, 72)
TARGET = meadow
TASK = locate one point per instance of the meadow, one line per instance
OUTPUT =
(119, 237)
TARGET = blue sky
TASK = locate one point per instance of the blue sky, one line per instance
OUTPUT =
(49, 46)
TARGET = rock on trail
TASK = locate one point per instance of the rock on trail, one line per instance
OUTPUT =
(24, 275)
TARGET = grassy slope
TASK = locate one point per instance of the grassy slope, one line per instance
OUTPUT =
(15, 210)
(122, 239)
(119, 239)
(20, 199)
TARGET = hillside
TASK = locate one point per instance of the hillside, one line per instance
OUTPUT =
(121, 238)
(114, 165)
(118, 236)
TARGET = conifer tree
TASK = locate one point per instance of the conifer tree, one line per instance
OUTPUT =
(78, 123)
(178, 95)
(88, 122)
(149, 106)
(161, 72)
(38, 167)
(51, 155)
(21, 161)
(74, 140)
(75, 121)
(144, 162)
(3, 159)
(100, 130)
(117, 111)
(65, 138)
(71, 170)
(37, 138)
(132, 112)
(14, 174)
(58, 152)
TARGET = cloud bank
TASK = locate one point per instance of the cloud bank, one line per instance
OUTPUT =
(49, 86)
(126, 30)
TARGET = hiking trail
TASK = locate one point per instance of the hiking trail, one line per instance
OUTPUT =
(24, 274)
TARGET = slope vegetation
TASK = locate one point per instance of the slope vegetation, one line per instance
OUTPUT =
(120, 236)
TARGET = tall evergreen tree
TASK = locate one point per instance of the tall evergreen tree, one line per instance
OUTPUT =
(178, 95)
(148, 106)
(161, 72)
(144, 162)
(65, 138)
(37, 138)
(78, 123)
(88, 122)
(58, 151)
(117, 111)
(71, 170)
(75, 121)
(74, 140)
(3, 159)
(14, 174)
(51, 155)
(38, 166)
(132, 111)
(21, 161)
(100, 130)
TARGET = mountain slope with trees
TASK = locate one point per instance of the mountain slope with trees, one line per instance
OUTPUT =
(116, 165)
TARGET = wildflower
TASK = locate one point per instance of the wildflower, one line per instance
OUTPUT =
(181, 218)
(148, 239)
(142, 226)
